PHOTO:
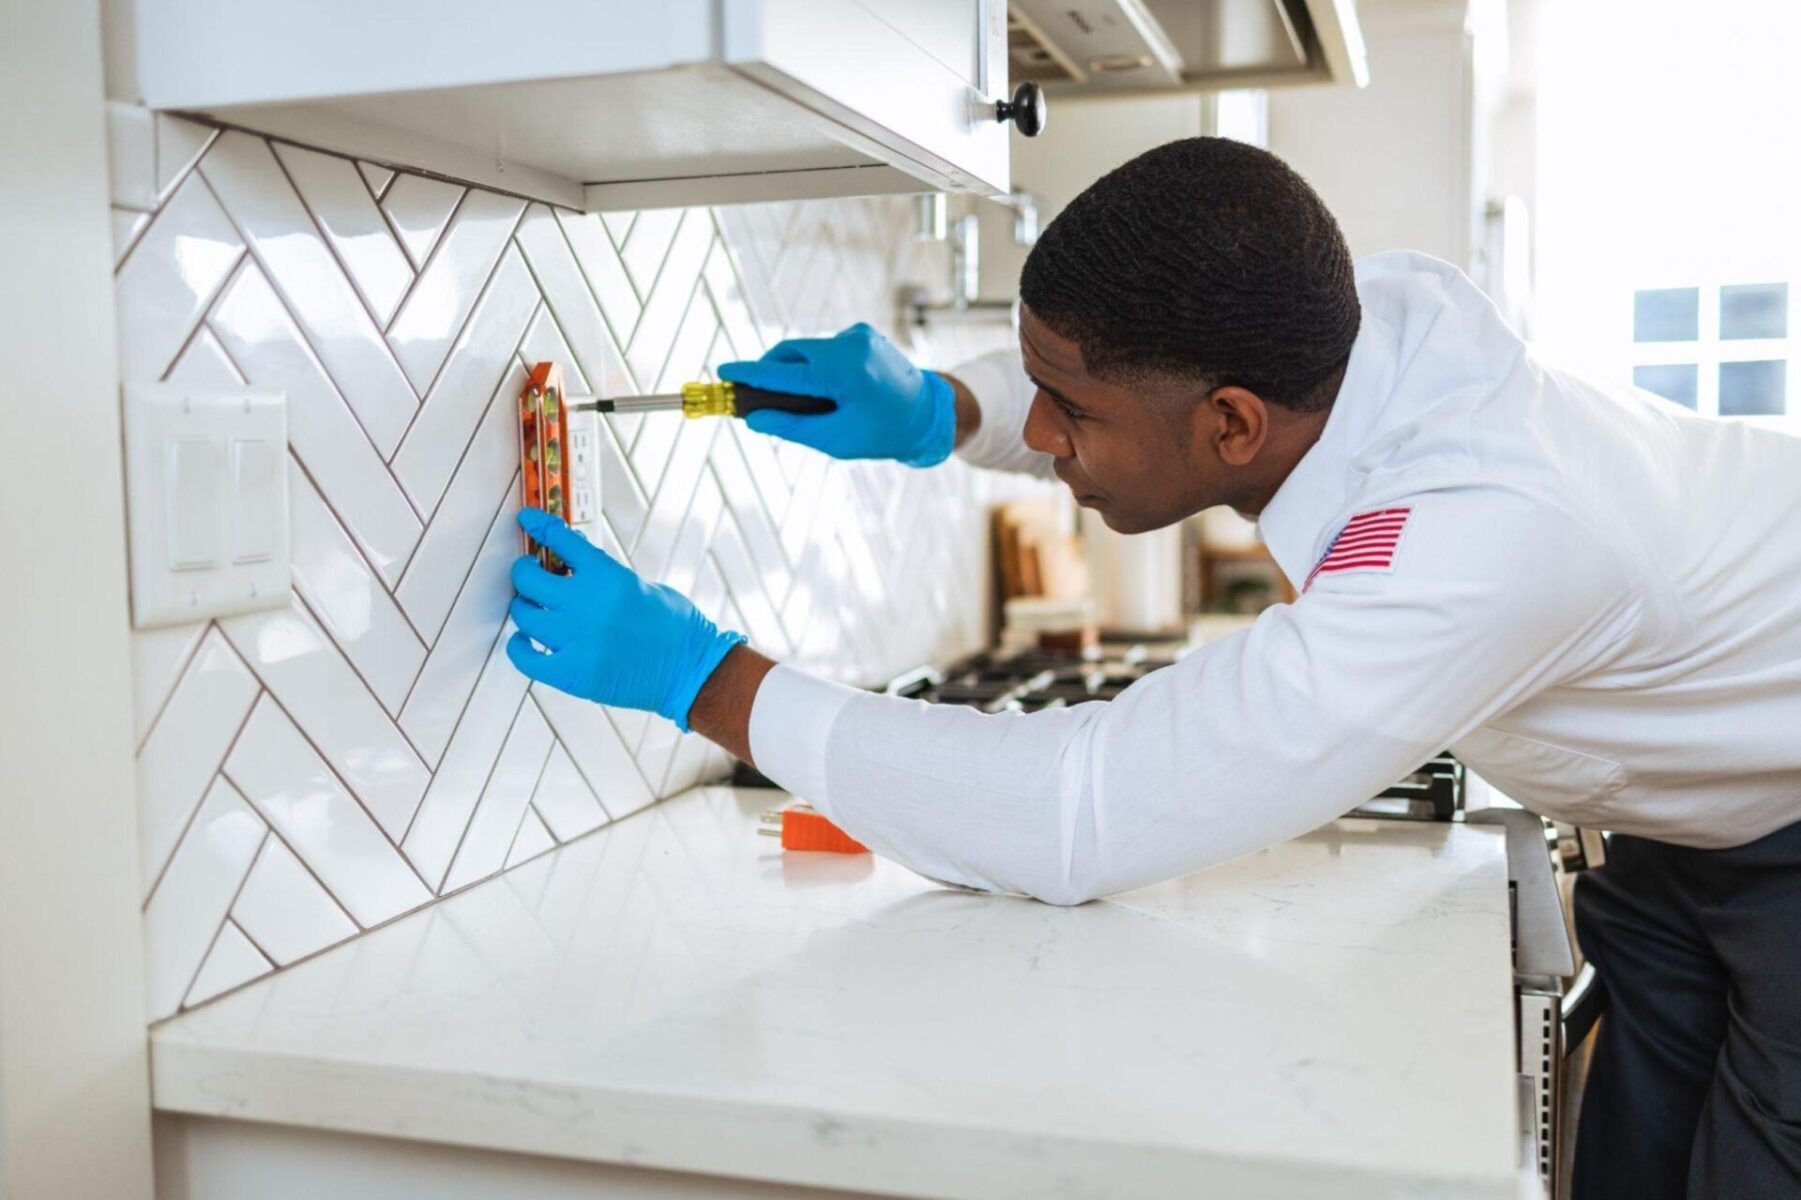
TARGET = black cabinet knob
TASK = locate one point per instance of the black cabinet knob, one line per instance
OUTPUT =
(1026, 110)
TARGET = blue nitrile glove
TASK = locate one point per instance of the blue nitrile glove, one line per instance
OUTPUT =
(610, 637)
(887, 407)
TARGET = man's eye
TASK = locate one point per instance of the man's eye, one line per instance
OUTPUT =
(1074, 414)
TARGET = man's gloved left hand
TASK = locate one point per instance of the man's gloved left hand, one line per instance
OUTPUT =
(608, 636)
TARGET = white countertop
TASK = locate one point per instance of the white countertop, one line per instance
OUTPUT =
(1329, 1018)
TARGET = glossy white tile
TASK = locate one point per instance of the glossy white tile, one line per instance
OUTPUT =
(232, 963)
(482, 358)
(743, 337)
(544, 342)
(195, 893)
(450, 671)
(491, 829)
(341, 204)
(605, 273)
(484, 481)
(204, 363)
(169, 278)
(297, 793)
(675, 490)
(591, 740)
(564, 800)
(131, 156)
(378, 178)
(566, 291)
(284, 909)
(618, 225)
(179, 145)
(761, 537)
(621, 499)
(127, 224)
(420, 209)
(644, 245)
(667, 302)
(157, 659)
(347, 596)
(449, 282)
(251, 185)
(185, 748)
(256, 331)
(532, 840)
(298, 663)
(474, 747)
(691, 353)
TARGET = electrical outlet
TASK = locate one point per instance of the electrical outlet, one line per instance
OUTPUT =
(584, 468)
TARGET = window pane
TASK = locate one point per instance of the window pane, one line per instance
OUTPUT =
(1666, 315)
(1754, 310)
(1753, 389)
(1676, 382)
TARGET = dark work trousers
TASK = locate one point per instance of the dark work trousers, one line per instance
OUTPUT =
(1694, 1090)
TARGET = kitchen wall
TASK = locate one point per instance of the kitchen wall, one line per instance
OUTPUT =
(307, 773)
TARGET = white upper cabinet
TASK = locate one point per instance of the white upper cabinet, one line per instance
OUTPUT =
(605, 104)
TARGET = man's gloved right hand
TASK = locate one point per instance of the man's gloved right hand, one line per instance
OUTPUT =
(887, 407)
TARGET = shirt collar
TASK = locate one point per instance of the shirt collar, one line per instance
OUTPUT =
(1293, 523)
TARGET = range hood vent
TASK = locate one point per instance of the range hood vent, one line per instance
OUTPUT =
(1131, 46)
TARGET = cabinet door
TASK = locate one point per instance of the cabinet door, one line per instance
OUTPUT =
(916, 77)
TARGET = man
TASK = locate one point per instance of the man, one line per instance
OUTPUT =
(1588, 594)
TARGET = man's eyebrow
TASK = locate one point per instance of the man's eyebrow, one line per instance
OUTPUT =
(1053, 392)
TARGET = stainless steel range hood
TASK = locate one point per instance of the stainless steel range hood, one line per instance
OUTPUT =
(1102, 47)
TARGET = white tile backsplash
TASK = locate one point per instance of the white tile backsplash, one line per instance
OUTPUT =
(308, 773)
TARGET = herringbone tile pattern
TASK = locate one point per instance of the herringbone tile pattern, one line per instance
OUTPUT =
(310, 772)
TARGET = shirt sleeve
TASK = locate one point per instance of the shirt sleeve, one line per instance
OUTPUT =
(1246, 742)
(1003, 392)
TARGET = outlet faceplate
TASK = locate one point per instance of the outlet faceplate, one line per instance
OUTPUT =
(584, 468)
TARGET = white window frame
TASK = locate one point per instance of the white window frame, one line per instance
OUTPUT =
(1709, 350)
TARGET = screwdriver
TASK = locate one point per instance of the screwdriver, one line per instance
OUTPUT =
(722, 399)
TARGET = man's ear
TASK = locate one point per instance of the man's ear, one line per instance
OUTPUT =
(1235, 422)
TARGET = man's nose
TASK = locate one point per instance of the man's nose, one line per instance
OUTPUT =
(1044, 431)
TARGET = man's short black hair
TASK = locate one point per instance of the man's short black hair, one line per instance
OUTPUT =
(1204, 258)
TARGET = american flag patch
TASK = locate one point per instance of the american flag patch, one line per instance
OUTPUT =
(1366, 543)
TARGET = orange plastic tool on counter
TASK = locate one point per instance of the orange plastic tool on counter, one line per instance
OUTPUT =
(801, 828)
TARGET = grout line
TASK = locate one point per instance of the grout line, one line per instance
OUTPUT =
(588, 283)
(224, 920)
(341, 781)
(461, 713)
(358, 547)
(451, 611)
(575, 762)
(542, 767)
(200, 322)
(308, 868)
(181, 669)
(469, 317)
(475, 429)
(363, 679)
(325, 239)
(281, 298)
(218, 769)
(487, 782)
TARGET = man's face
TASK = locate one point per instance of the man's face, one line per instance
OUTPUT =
(1141, 454)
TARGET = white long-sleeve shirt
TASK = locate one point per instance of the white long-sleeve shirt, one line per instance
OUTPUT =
(1594, 600)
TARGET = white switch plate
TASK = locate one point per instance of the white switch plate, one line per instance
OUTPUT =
(207, 501)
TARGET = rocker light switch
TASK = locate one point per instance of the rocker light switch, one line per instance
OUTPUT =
(207, 501)
(192, 495)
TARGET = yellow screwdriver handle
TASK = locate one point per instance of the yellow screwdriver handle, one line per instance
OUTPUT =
(727, 399)
(707, 400)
